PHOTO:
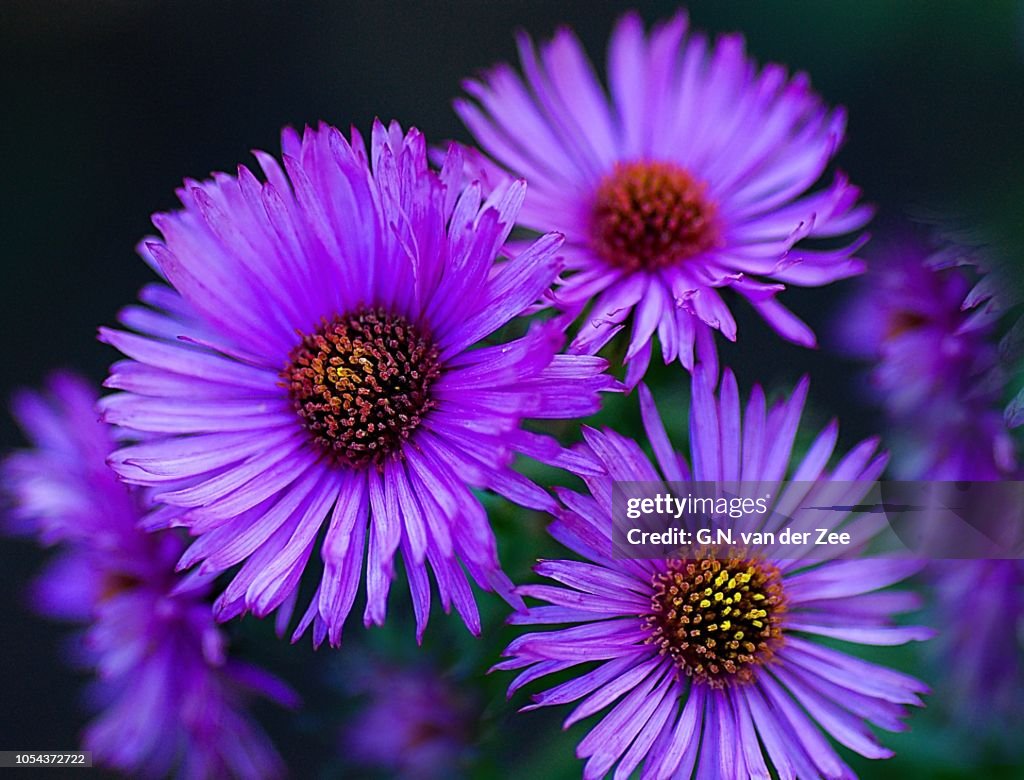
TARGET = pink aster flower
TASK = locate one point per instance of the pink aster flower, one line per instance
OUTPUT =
(316, 378)
(715, 665)
(694, 177)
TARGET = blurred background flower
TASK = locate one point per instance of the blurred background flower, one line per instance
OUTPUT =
(170, 699)
(932, 317)
(926, 317)
(413, 723)
(981, 654)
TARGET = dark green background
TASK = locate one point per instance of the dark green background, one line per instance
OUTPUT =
(107, 104)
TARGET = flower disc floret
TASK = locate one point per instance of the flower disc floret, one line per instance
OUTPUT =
(361, 384)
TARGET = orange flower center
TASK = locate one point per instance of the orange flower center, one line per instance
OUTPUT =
(718, 618)
(649, 215)
(361, 384)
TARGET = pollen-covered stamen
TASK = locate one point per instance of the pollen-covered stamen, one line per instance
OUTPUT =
(648, 215)
(718, 618)
(361, 384)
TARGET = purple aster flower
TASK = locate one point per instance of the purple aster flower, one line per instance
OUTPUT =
(315, 380)
(927, 320)
(692, 178)
(752, 686)
(170, 699)
(415, 723)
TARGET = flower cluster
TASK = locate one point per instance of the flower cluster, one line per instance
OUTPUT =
(347, 349)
